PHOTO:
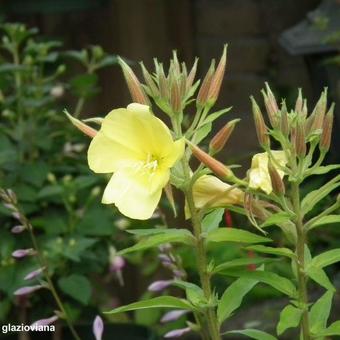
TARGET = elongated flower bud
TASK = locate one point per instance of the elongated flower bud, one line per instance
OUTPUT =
(271, 106)
(175, 97)
(18, 229)
(319, 112)
(27, 290)
(203, 92)
(158, 286)
(98, 327)
(20, 253)
(149, 81)
(299, 103)
(177, 333)
(163, 83)
(135, 87)
(217, 79)
(222, 136)
(300, 139)
(213, 164)
(277, 183)
(191, 75)
(327, 128)
(173, 315)
(88, 130)
(45, 322)
(284, 124)
(260, 125)
(34, 274)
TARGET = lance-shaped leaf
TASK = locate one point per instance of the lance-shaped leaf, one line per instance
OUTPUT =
(324, 220)
(253, 334)
(273, 251)
(157, 302)
(312, 198)
(333, 329)
(325, 169)
(320, 311)
(241, 263)
(167, 236)
(235, 235)
(325, 259)
(289, 318)
(276, 219)
(319, 276)
(233, 296)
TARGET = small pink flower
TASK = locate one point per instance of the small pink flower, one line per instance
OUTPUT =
(173, 315)
(34, 274)
(18, 229)
(45, 322)
(27, 290)
(98, 327)
(20, 253)
(177, 333)
(158, 286)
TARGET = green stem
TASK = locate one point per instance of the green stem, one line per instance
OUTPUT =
(300, 252)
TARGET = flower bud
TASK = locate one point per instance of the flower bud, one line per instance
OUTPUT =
(319, 112)
(191, 75)
(175, 97)
(271, 106)
(277, 183)
(299, 103)
(326, 135)
(20, 253)
(222, 136)
(260, 125)
(135, 87)
(34, 274)
(149, 81)
(98, 327)
(213, 164)
(117, 263)
(284, 123)
(45, 322)
(300, 139)
(88, 130)
(18, 229)
(27, 290)
(158, 286)
(177, 333)
(163, 83)
(217, 78)
(203, 92)
(173, 315)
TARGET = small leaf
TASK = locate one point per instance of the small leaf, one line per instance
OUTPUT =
(325, 169)
(319, 312)
(157, 302)
(193, 292)
(325, 259)
(325, 220)
(312, 198)
(320, 277)
(213, 116)
(274, 251)
(254, 334)
(202, 132)
(289, 318)
(171, 235)
(233, 296)
(278, 282)
(76, 286)
(333, 329)
(212, 220)
(240, 263)
(235, 235)
(276, 219)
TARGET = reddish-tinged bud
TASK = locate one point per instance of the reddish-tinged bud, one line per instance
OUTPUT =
(217, 78)
(327, 128)
(319, 112)
(163, 83)
(149, 81)
(271, 106)
(88, 130)
(135, 87)
(203, 92)
(260, 125)
(300, 139)
(213, 164)
(299, 103)
(277, 183)
(222, 136)
(191, 75)
(175, 97)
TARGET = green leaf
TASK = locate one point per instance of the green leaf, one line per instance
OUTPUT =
(235, 235)
(157, 302)
(325, 259)
(213, 116)
(333, 329)
(212, 220)
(325, 220)
(276, 219)
(233, 296)
(76, 286)
(312, 198)
(289, 318)
(240, 263)
(193, 292)
(320, 277)
(50, 191)
(151, 231)
(320, 311)
(254, 334)
(325, 169)
(171, 235)
(202, 132)
(84, 85)
(278, 282)
(271, 250)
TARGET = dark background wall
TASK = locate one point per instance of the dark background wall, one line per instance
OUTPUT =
(143, 29)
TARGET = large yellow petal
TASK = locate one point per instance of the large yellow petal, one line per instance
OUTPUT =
(260, 179)
(175, 154)
(131, 192)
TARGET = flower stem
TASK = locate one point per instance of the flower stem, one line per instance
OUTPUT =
(300, 252)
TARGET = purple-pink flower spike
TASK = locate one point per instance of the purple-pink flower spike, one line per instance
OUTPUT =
(177, 333)
(173, 315)
(27, 290)
(98, 327)
(45, 322)
(158, 286)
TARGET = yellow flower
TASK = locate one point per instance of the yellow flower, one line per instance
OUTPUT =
(259, 177)
(138, 149)
(211, 192)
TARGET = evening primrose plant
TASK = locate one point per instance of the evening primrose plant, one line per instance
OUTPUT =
(144, 155)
